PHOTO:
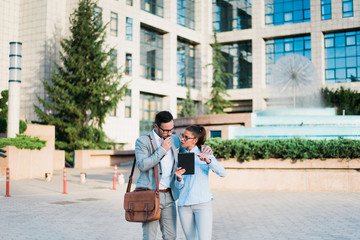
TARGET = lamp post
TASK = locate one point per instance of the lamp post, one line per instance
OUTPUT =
(14, 89)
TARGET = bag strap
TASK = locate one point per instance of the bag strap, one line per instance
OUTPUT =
(156, 171)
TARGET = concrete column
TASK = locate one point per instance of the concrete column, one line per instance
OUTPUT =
(14, 89)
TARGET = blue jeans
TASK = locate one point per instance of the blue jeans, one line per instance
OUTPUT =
(196, 221)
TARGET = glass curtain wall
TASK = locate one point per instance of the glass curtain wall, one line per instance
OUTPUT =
(151, 57)
(277, 48)
(239, 63)
(231, 15)
(280, 12)
(185, 64)
(342, 57)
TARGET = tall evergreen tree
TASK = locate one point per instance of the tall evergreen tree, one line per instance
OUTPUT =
(217, 103)
(85, 86)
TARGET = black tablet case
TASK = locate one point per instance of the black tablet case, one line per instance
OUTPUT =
(187, 162)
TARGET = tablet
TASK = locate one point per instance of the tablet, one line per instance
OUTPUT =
(187, 162)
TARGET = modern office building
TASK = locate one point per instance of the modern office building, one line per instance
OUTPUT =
(165, 46)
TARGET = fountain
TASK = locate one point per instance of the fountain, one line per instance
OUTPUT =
(294, 85)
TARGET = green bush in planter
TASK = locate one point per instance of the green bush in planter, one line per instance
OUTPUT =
(3, 125)
(23, 141)
(294, 148)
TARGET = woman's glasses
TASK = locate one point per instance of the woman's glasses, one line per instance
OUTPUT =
(186, 137)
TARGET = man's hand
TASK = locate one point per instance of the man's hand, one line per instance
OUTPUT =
(207, 150)
(166, 144)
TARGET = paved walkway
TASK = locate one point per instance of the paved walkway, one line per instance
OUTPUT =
(38, 210)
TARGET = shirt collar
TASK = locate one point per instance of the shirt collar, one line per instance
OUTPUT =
(157, 137)
(195, 149)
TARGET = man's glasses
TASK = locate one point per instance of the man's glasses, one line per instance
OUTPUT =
(166, 131)
(186, 137)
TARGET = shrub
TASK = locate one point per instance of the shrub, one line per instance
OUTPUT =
(3, 125)
(295, 148)
(23, 141)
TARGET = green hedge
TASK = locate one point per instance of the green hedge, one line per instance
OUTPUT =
(295, 148)
(22, 141)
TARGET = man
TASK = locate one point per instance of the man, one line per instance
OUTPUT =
(167, 146)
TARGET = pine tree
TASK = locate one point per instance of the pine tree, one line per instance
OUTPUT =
(217, 103)
(85, 86)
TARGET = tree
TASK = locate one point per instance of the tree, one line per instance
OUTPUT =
(217, 103)
(188, 109)
(4, 114)
(84, 86)
(3, 103)
(342, 99)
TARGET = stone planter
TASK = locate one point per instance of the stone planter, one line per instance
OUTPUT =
(26, 163)
(287, 175)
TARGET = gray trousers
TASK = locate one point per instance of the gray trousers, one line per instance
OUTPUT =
(167, 220)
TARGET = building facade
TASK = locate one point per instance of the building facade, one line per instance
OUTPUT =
(164, 46)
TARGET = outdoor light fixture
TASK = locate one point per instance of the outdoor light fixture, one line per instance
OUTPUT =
(14, 89)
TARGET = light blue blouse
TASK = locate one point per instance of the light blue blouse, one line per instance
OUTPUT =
(195, 189)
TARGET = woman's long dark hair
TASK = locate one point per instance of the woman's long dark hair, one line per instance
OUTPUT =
(199, 133)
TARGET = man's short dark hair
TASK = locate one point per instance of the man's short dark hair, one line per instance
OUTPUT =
(163, 117)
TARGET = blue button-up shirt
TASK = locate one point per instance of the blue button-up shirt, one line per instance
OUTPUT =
(195, 189)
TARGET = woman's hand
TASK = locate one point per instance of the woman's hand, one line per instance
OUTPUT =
(204, 158)
(207, 150)
(179, 172)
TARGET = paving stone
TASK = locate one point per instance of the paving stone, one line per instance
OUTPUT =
(39, 210)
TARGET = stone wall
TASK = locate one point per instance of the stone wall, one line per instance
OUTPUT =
(26, 163)
(286, 175)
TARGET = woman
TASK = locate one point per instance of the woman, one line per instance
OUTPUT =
(194, 203)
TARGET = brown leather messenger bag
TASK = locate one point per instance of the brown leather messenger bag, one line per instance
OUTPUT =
(143, 204)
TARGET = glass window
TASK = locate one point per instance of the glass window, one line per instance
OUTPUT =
(185, 64)
(129, 2)
(347, 8)
(281, 12)
(282, 47)
(128, 103)
(113, 24)
(128, 64)
(342, 57)
(239, 63)
(155, 7)
(113, 58)
(129, 30)
(231, 15)
(151, 54)
(185, 13)
(150, 105)
(98, 13)
(325, 9)
(215, 133)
